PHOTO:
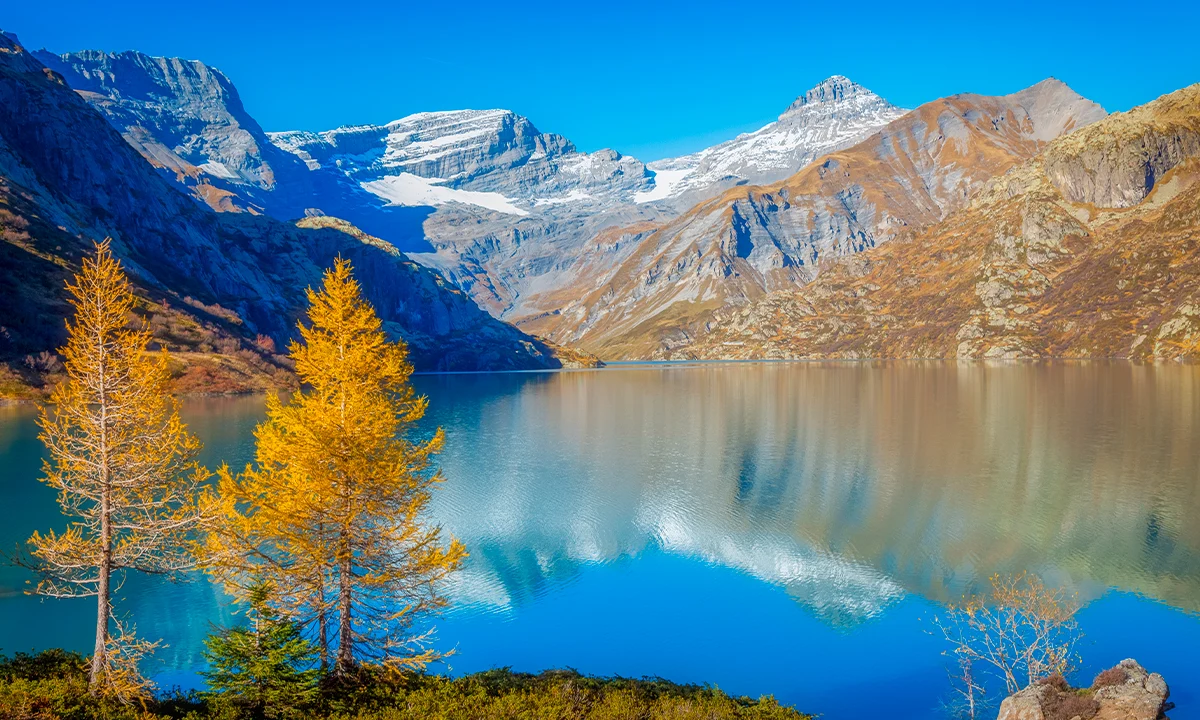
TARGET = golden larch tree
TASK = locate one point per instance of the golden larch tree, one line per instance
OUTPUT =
(123, 463)
(332, 514)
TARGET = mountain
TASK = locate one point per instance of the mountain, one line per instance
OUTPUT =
(187, 119)
(515, 206)
(214, 284)
(1089, 249)
(835, 114)
(497, 207)
(503, 204)
(750, 241)
(491, 159)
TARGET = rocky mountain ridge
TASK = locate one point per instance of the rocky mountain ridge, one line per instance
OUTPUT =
(1088, 249)
(833, 115)
(187, 119)
(751, 241)
(494, 159)
(496, 206)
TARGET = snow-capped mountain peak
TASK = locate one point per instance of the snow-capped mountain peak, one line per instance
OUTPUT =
(493, 159)
(833, 115)
(833, 89)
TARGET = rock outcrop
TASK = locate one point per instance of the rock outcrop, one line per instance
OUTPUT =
(1124, 692)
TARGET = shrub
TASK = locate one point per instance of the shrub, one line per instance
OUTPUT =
(53, 685)
(44, 362)
(265, 344)
(1056, 681)
(265, 670)
(1112, 676)
(1066, 706)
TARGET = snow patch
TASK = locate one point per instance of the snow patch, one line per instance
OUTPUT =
(412, 190)
(218, 169)
(665, 182)
(575, 195)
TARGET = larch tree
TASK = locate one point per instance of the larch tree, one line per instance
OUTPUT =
(123, 463)
(332, 514)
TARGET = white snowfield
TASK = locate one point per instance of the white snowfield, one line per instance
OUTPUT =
(416, 191)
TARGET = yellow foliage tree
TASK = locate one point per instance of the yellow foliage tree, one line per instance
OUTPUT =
(123, 463)
(331, 515)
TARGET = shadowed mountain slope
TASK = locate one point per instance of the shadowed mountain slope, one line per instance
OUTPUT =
(67, 178)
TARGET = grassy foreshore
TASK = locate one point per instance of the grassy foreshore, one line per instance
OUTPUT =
(53, 685)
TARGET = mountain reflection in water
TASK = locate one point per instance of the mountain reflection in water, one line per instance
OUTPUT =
(849, 484)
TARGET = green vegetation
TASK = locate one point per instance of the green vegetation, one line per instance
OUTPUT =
(264, 669)
(53, 684)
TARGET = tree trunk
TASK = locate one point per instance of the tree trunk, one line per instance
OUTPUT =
(345, 659)
(104, 572)
(103, 609)
(323, 632)
(321, 608)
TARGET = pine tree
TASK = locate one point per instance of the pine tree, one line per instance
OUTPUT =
(264, 669)
(123, 465)
(333, 509)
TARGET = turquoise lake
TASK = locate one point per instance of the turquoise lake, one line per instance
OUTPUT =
(781, 528)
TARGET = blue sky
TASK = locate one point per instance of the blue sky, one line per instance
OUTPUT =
(649, 79)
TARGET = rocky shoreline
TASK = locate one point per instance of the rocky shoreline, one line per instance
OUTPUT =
(1126, 691)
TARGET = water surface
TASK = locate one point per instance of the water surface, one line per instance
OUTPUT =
(771, 528)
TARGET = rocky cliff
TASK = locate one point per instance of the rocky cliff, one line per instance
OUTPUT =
(67, 177)
(1088, 249)
(187, 119)
(751, 241)
(1124, 692)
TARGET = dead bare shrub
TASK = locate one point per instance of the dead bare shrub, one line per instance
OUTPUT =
(1024, 632)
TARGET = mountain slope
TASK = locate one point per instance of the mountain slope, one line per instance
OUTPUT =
(68, 178)
(496, 206)
(1090, 249)
(186, 118)
(751, 241)
(835, 114)
(505, 204)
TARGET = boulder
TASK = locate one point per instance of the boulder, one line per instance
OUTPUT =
(1124, 692)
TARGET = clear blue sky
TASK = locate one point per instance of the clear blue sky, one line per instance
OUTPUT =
(647, 78)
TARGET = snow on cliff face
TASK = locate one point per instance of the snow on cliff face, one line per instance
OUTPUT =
(835, 114)
(523, 170)
(493, 159)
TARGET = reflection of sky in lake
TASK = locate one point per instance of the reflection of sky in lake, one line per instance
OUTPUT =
(770, 528)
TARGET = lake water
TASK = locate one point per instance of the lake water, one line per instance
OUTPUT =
(770, 528)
